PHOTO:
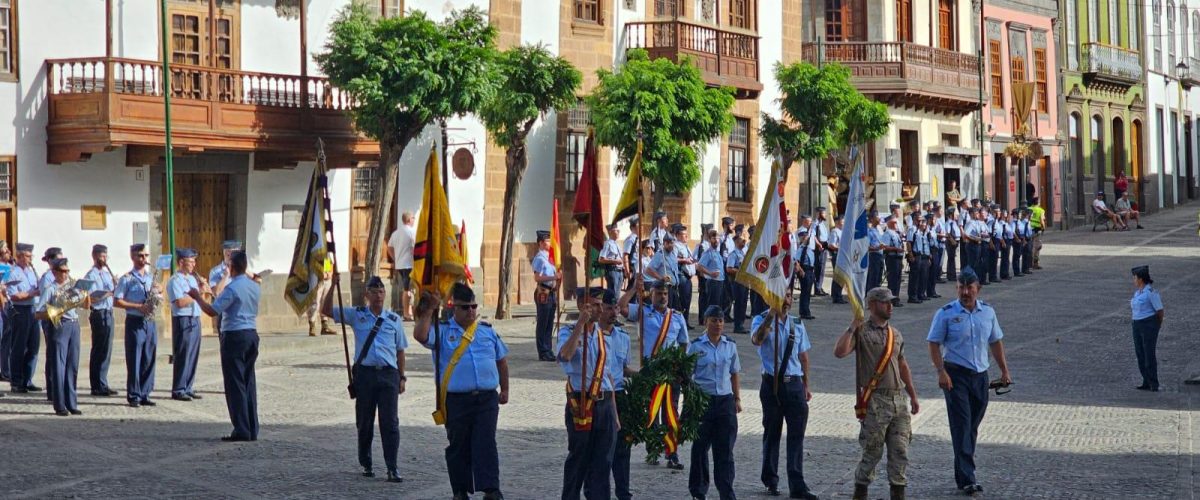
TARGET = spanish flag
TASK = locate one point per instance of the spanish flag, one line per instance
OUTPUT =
(438, 262)
(555, 241)
(312, 249)
(631, 194)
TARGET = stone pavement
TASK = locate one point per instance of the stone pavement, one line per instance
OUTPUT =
(1073, 427)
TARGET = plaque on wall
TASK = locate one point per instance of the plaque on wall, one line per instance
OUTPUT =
(892, 157)
(463, 163)
(292, 216)
(93, 217)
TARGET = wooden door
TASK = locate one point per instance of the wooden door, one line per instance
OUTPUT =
(946, 24)
(364, 186)
(1135, 175)
(201, 217)
(904, 25)
(8, 201)
(192, 45)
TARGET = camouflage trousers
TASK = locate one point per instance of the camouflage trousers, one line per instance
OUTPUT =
(888, 423)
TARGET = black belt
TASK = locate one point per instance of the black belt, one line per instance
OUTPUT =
(601, 397)
(786, 378)
(472, 393)
(23, 306)
(377, 368)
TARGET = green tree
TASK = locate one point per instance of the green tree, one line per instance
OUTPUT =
(863, 121)
(531, 81)
(670, 106)
(812, 105)
(405, 73)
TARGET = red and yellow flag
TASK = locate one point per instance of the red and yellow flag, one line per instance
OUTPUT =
(555, 242)
(588, 212)
(438, 262)
(462, 250)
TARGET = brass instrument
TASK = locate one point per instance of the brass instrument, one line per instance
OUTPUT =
(66, 297)
(154, 299)
(205, 290)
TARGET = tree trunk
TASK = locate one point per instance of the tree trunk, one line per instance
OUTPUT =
(381, 211)
(516, 161)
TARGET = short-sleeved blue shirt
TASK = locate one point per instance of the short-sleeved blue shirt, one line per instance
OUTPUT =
(712, 261)
(573, 368)
(217, 273)
(238, 304)
(676, 335)
(388, 341)
(178, 288)
(874, 242)
(542, 267)
(666, 265)
(47, 292)
(135, 287)
(965, 336)
(734, 259)
(102, 279)
(766, 351)
(618, 356)
(22, 279)
(1145, 303)
(476, 370)
(715, 365)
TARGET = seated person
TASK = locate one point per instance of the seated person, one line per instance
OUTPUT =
(1126, 211)
(1100, 208)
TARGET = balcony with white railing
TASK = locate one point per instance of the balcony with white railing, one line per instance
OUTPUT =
(1111, 64)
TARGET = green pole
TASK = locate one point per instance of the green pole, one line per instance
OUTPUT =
(166, 91)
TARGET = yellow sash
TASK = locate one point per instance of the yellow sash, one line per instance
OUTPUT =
(864, 394)
(439, 415)
(581, 409)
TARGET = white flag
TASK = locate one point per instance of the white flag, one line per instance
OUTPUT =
(767, 268)
(851, 267)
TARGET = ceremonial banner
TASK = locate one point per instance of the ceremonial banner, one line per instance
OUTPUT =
(631, 194)
(767, 268)
(462, 250)
(555, 241)
(437, 261)
(588, 212)
(853, 251)
(308, 258)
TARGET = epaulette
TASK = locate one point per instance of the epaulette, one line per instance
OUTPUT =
(697, 339)
(360, 309)
(391, 316)
(727, 339)
(948, 307)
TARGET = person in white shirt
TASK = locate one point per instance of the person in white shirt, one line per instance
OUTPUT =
(1126, 211)
(1100, 208)
(613, 261)
(400, 250)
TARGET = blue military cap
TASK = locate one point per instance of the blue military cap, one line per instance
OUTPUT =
(98, 248)
(605, 295)
(713, 312)
(58, 263)
(888, 218)
(967, 276)
(660, 285)
(137, 247)
(1142, 272)
(24, 247)
(659, 214)
(727, 220)
(928, 216)
(185, 253)
(611, 226)
(668, 237)
(950, 209)
(705, 227)
(543, 235)
(820, 209)
(374, 282)
(1017, 211)
(51, 253)
(739, 228)
(837, 217)
(231, 245)
(873, 213)
(633, 221)
(462, 294)
(677, 227)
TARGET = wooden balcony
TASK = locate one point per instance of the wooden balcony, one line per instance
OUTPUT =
(98, 104)
(903, 74)
(1112, 65)
(725, 59)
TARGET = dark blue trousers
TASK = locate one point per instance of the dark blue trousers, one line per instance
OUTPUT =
(835, 288)
(933, 273)
(952, 252)
(718, 431)
(702, 286)
(757, 304)
(471, 457)
(62, 352)
(620, 462)
(185, 351)
(806, 290)
(545, 323)
(874, 270)
(790, 407)
(378, 389)
(47, 328)
(1145, 346)
(738, 300)
(819, 271)
(1005, 256)
(6, 339)
(1018, 251)
(22, 360)
(894, 264)
(683, 295)
(613, 280)
(141, 346)
(239, 351)
(1027, 260)
(966, 403)
(716, 295)
(590, 451)
(101, 353)
(974, 256)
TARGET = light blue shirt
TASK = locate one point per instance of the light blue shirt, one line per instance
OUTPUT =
(803, 253)
(665, 265)
(542, 267)
(1145, 303)
(711, 260)
(618, 356)
(177, 288)
(611, 250)
(22, 279)
(715, 364)
(953, 231)
(972, 228)
(217, 273)
(682, 252)
(643, 263)
(766, 351)
(388, 341)
(892, 239)
(134, 287)
(47, 293)
(735, 258)
(677, 333)
(238, 304)
(476, 369)
(874, 240)
(573, 369)
(965, 335)
(102, 279)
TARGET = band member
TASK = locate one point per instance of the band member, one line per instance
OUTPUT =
(783, 346)
(47, 281)
(238, 306)
(545, 295)
(591, 409)
(220, 274)
(185, 326)
(379, 380)
(137, 295)
(62, 341)
(469, 403)
(22, 289)
(717, 375)
(101, 320)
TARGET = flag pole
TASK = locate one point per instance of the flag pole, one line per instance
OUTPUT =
(323, 182)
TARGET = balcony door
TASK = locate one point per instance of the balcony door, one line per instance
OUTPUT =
(193, 48)
(946, 38)
(845, 20)
(904, 22)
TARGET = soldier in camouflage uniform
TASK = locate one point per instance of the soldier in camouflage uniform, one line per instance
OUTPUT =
(883, 379)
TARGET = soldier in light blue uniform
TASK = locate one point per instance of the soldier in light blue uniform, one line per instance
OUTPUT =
(221, 271)
(583, 355)
(716, 373)
(546, 295)
(618, 366)
(960, 336)
(733, 262)
(238, 306)
(893, 248)
(805, 253)
(378, 370)
(664, 266)
(712, 266)
(784, 395)
(472, 403)
(47, 281)
(141, 334)
(875, 251)
(185, 326)
(5, 320)
(101, 320)
(685, 269)
(22, 289)
(612, 260)
(62, 343)
(1147, 309)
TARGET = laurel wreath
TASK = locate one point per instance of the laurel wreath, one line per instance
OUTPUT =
(672, 365)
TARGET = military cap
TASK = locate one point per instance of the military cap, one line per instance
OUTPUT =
(596, 292)
(231, 245)
(873, 213)
(739, 228)
(967, 276)
(374, 282)
(185, 253)
(1016, 211)
(659, 214)
(880, 294)
(98, 248)
(24, 247)
(1099, 193)
(660, 285)
(727, 220)
(949, 210)
(543, 235)
(1143, 273)
(633, 221)
(713, 312)
(705, 227)
(611, 226)
(893, 205)
(928, 216)
(837, 218)
(668, 237)
(462, 294)
(888, 219)
(647, 244)
(58, 263)
(677, 227)
(137, 247)
(50, 253)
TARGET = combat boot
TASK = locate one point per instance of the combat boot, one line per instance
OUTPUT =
(860, 491)
(897, 492)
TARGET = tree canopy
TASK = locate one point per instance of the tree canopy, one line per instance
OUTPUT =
(530, 81)
(814, 105)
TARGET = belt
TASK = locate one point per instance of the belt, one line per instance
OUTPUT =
(471, 393)
(23, 306)
(603, 395)
(786, 378)
(377, 368)
(102, 310)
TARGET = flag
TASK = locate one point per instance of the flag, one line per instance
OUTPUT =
(555, 242)
(311, 250)
(767, 268)
(462, 250)
(631, 194)
(437, 261)
(853, 251)
(588, 210)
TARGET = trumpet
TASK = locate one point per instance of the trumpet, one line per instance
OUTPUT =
(66, 297)
(205, 290)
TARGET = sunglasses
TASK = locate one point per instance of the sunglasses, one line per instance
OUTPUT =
(467, 307)
(143, 255)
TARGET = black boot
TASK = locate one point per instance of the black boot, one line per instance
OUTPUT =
(897, 492)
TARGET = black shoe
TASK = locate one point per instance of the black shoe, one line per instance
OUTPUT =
(232, 438)
(808, 316)
(135, 404)
(33, 388)
(461, 496)
(697, 497)
(546, 358)
(147, 402)
(62, 413)
(820, 293)
(935, 296)
(493, 495)
(941, 280)
(1154, 389)
(5, 379)
(897, 304)
(1143, 387)
(76, 412)
(1139, 226)
(181, 397)
(773, 491)
(367, 472)
(914, 301)
(673, 463)
(805, 495)
(740, 330)
(394, 477)
(194, 396)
